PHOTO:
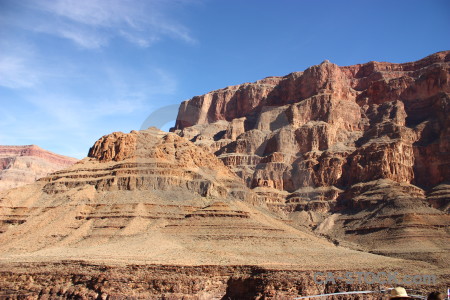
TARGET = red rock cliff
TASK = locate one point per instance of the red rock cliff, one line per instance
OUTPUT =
(369, 141)
(20, 165)
(331, 127)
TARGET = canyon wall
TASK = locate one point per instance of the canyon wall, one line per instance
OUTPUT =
(20, 165)
(330, 126)
(258, 186)
(340, 140)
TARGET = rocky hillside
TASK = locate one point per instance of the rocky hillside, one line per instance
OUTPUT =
(21, 165)
(260, 186)
(356, 153)
(155, 197)
(156, 200)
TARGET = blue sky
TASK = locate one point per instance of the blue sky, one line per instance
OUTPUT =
(74, 70)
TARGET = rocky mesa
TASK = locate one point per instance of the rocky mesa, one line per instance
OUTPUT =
(354, 153)
(20, 165)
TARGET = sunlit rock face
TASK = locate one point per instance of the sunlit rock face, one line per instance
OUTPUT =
(341, 140)
(258, 187)
(330, 125)
(20, 165)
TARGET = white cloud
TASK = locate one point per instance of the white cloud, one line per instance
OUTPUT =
(81, 37)
(23, 70)
(67, 95)
(79, 114)
(15, 73)
(23, 67)
(127, 95)
(92, 23)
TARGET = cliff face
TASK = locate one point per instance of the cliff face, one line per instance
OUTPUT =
(159, 199)
(395, 115)
(260, 186)
(152, 215)
(21, 165)
(346, 140)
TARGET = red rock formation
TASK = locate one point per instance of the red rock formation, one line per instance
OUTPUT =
(344, 157)
(115, 146)
(318, 140)
(152, 215)
(20, 165)
(372, 82)
(374, 120)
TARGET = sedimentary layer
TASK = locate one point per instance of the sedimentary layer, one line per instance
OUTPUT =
(335, 145)
(20, 165)
(260, 185)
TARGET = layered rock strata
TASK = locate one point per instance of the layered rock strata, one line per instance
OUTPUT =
(341, 140)
(70, 280)
(155, 197)
(20, 165)
(142, 209)
(260, 186)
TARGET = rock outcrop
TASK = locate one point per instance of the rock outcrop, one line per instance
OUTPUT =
(159, 216)
(79, 280)
(20, 165)
(155, 197)
(338, 140)
(260, 186)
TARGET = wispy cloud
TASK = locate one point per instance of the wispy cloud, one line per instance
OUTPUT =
(18, 65)
(23, 66)
(15, 74)
(67, 98)
(92, 23)
(125, 97)
(75, 114)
